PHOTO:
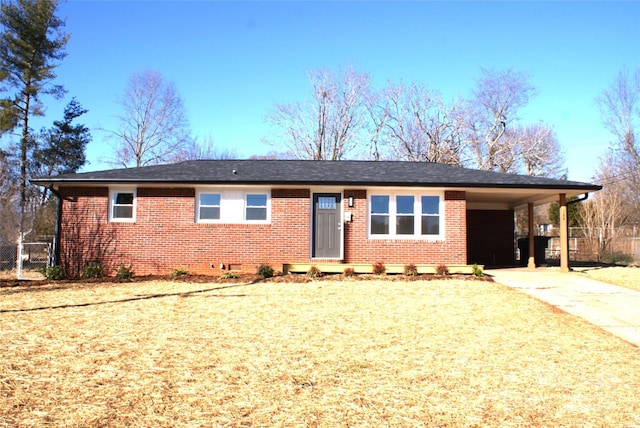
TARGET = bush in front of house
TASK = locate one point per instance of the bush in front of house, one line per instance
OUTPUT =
(617, 258)
(180, 272)
(442, 269)
(92, 270)
(230, 275)
(124, 272)
(379, 268)
(314, 272)
(53, 273)
(265, 270)
(348, 272)
(477, 271)
(410, 270)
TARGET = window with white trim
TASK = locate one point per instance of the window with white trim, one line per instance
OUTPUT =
(208, 206)
(379, 215)
(405, 216)
(122, 205)
(430, 224)
(405, 219)
(232, 206)
(256, 207)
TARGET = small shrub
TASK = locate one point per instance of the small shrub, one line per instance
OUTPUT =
(230, 275)
(477, 271)
(92, 270)
(53, 273)
(314, 272)
(265, 270)
(410, 270)
(180, 272)
(617, 258)
(442, 269)
(348, 272)
(379, 268)
(124, 272)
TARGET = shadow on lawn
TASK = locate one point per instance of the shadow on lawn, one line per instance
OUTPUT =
(139, 297)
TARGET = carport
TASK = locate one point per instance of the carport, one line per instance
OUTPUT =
(491, 225)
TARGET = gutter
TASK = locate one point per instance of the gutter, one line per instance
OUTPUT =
(575, 201)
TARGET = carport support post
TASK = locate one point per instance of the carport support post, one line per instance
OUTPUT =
(531, 264)
(564, 234)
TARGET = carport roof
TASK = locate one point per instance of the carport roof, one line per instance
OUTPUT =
(481, 186)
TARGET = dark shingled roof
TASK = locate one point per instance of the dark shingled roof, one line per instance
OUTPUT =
(301, 172)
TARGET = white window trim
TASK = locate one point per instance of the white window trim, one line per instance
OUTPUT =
(267, 218)
(197, 213)
(417, 213)
(230, 205)
(113, 191)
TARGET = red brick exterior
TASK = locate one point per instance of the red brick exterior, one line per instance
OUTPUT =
(360, 249)
(165, 236)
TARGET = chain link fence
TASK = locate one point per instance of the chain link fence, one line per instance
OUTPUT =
(26, 262)
(8, 257)
(622, 242)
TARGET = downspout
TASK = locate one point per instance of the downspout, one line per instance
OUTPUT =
(564, 230)
(56, 239)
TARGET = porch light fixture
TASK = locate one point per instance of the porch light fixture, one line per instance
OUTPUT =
(350, 201)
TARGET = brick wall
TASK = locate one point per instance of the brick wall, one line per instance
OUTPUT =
(166, 237)
(360, 249)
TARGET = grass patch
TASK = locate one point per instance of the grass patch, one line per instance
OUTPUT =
(628, 277)
(364, 353)
(27, 274)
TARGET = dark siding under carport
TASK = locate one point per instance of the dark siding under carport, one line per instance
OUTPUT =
(490, 237)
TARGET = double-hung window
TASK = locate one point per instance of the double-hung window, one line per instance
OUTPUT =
(405, 219)
(430, 224)
(379, 215)
(209, 206)
(232, 206)
(122, 205)
(256, 207)
(405, 216)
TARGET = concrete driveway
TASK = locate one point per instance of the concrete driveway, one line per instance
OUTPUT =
(612, 308)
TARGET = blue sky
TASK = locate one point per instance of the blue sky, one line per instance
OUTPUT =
(231, 61)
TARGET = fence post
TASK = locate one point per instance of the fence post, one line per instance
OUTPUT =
(19, 258)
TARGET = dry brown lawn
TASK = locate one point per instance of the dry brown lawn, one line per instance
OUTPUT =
(623, 276)
(444, 353)
(27, 274)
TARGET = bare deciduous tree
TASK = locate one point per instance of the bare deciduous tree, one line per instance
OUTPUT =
(619, 107)
(271, 155)
(418, 125)
(603, 215)
(203, 149)
(345, 117)
(540, 151)
(153, 125)
(492, 116)
(378, 116)
(329, 125)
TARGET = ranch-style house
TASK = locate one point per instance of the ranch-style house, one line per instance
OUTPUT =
(205, 216)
